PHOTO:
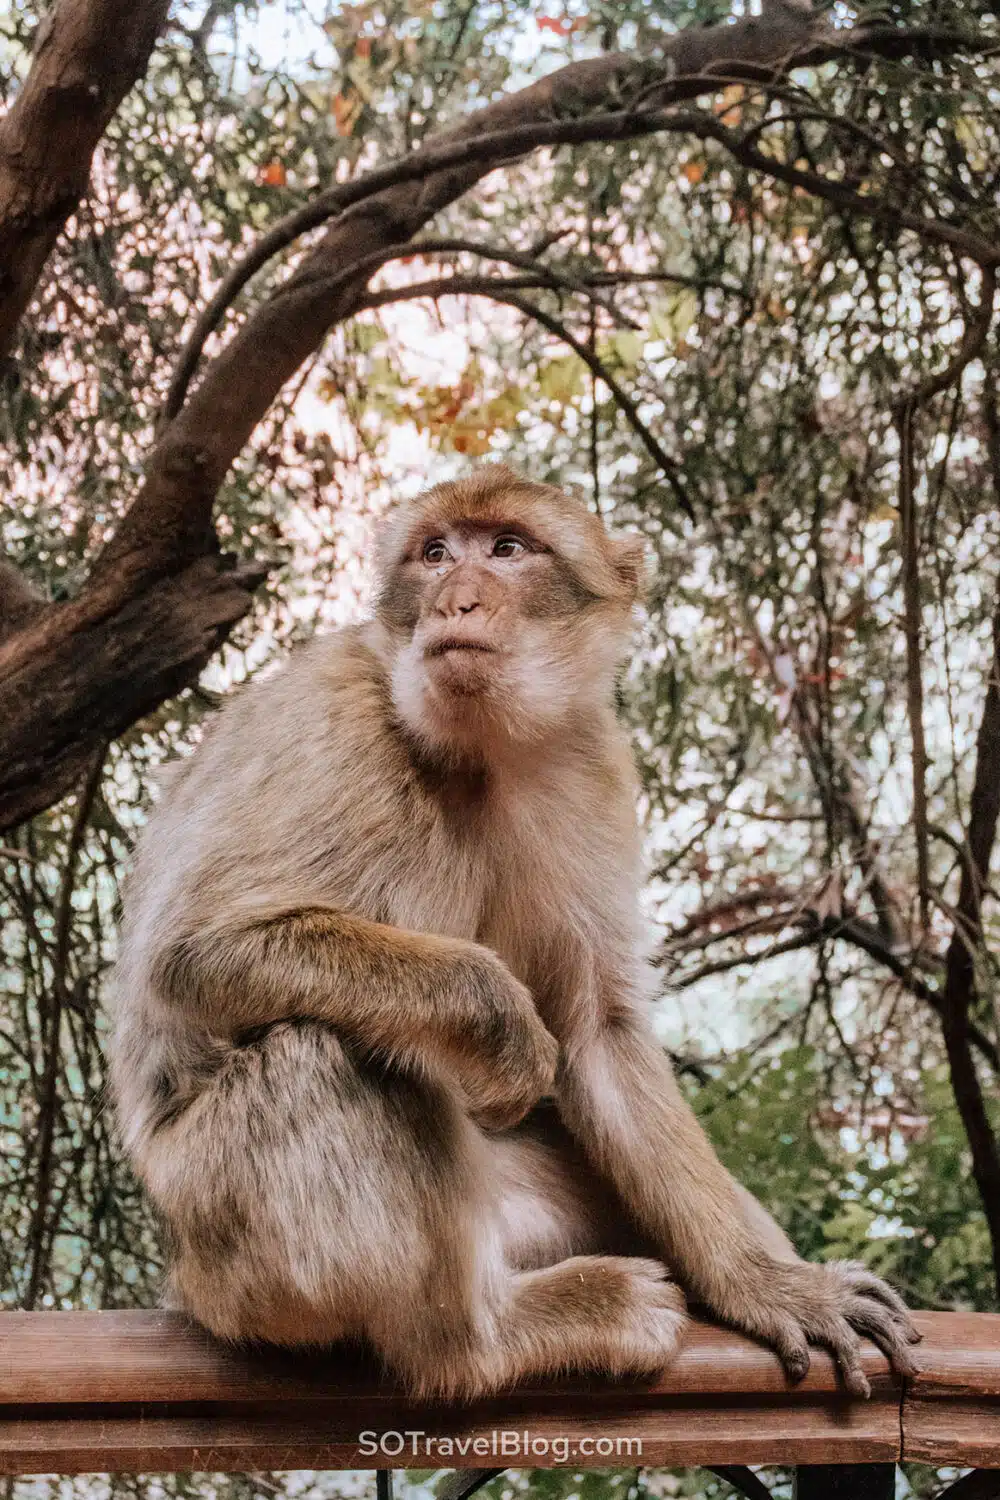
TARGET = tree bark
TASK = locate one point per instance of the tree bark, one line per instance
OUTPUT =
(88, 54)
(121, 659)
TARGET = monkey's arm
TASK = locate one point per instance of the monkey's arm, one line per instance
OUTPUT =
(435, 1003)
(619, 1097)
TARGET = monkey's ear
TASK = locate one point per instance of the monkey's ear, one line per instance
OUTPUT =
(631, 564)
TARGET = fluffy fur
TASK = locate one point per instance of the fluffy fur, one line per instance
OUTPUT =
(388, 905)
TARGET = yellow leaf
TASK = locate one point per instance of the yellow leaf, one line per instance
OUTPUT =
(672, 318)
(562, 379)
(625, 347)
(729, 104)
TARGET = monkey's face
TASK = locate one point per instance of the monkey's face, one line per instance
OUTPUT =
(508, 611)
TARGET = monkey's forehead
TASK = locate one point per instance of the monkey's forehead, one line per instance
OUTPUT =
(495, 496)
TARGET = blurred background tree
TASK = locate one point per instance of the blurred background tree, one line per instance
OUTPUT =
(762, 334)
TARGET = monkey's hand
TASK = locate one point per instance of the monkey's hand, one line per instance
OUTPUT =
(794, 1304)
(505, 1057)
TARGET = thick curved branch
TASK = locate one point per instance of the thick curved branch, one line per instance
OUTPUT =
(543, 275)
(120, 660)
(171, 518)
(160, 597)
(88, 55)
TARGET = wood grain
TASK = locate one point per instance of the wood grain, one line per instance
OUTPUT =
(952, 1407)
(147, 1391)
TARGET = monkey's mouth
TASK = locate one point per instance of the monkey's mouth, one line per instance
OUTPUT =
(458, 643)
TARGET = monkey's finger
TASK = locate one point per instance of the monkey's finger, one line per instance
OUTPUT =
(845, 1346)
(875, 1290)
(865, 1284)
(789, 1343)
(868, 1318)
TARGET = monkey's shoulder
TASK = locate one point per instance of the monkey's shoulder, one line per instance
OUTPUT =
(332, 694)
(309, 756)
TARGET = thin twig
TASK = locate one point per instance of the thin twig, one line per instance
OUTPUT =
(499, 289)
(38, 1236)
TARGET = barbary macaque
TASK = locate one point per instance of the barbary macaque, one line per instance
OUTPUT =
(388, 906)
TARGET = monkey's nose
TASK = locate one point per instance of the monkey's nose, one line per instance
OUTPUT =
(458, 599)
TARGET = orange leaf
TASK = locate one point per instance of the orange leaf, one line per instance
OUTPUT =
(345, 109)
(552, 23)
(273, 175)
(363, 46)
(694, 171)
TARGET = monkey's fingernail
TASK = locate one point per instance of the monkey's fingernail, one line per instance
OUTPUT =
(913, 1337)
(857, 1383)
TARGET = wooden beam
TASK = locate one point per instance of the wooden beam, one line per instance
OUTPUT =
(145, 1391)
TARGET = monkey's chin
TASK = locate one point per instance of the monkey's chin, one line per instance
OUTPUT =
(463, 674)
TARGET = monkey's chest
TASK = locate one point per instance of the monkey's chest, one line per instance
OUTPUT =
(541, 915)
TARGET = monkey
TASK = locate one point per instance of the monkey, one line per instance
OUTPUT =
(381, 1051)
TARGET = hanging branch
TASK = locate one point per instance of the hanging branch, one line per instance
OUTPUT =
(904, 415)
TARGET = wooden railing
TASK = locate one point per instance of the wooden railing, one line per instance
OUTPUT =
(139, 1391)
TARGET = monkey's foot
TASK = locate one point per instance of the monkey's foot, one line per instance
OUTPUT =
(637, 1311)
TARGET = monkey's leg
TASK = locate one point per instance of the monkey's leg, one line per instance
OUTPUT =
(311, 1191)
(552, 1203)
(314, 1194)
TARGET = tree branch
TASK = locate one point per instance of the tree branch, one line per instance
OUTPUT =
(39, 1231)
(361, 270)
(904, 414)
(960, 971)
(88, 54)
(84, 685)
(172, 514)
(20, 601)
(848, 927)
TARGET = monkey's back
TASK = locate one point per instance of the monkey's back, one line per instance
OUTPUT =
(301, 792)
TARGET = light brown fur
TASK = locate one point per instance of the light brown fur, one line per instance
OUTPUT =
(388, 905)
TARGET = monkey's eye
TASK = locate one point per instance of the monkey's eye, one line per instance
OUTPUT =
(508, 546)
(435, 550)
